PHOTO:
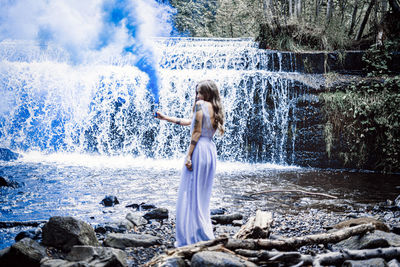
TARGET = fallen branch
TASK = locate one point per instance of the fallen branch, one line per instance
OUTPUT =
(331, 258)
(294, 191)
(188, 251)
(297, 242)
(256, 227)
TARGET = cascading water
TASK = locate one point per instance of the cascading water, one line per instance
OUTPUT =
(104, 105)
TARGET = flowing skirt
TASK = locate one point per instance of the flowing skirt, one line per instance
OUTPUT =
(193, 221)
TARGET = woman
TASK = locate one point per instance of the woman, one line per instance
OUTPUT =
(193, 222)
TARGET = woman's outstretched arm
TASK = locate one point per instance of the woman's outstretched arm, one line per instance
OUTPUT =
(195, 135)
(179, 121)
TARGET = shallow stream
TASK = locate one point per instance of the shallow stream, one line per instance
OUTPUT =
(74, 185)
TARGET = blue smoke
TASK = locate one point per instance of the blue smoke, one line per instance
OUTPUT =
(119, 12)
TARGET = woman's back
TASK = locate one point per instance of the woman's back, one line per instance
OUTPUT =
(207, 129)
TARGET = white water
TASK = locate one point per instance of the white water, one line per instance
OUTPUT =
(102, 106)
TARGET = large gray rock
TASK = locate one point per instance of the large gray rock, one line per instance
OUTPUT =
(376, 239)
(375, 262)
(226, 219)
(26, 252)
(136, 219)
(66, 232)
(98, 256)
(82, 256)
(218, 259)
(117, 240)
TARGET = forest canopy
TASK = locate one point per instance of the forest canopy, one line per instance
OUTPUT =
(292, 24)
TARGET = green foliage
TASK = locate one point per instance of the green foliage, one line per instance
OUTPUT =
(377, 58)
(363, 124)
(195, 18)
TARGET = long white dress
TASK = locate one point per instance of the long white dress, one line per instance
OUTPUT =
(193, 221)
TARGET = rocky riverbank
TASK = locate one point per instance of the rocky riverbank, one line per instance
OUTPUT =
(148, 231)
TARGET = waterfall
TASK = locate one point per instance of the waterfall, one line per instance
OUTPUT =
(104, 106)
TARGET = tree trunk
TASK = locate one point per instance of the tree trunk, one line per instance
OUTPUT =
(317, 9)
(353, 18)
(394, 5)
(298, 7)
(365, 20)
(329, 10)
(290, 9)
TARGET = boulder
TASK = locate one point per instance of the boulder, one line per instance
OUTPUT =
(394, 263)
(172, 262)
(125, 225)
(65, 232)
(122, 241)
(226, 219)
(376, 239)
(136, 219)
(375, 262)
(218, 259)
(110, 201)
(158, 213)
(32, 233)
(26, 252)
(365, 220)
(7, 155)
(98, 256)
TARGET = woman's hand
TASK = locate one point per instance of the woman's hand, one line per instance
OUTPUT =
(188, 163)
(159, 115)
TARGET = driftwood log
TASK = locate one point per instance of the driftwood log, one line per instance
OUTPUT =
(256, 227)
(237, 246)
(293, 191)
(297, 242)
(188, 251)
(332, 258)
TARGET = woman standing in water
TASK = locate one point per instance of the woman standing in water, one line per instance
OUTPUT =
(193, 222)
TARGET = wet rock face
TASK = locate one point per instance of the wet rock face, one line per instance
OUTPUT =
(65, 232)
(218, 259)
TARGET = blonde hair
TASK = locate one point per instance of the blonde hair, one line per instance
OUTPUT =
(209, 90)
